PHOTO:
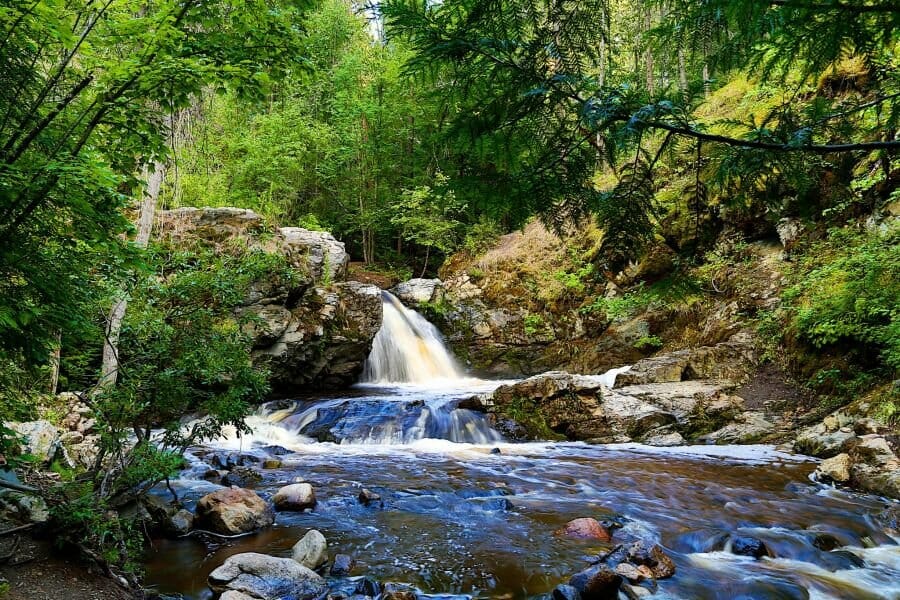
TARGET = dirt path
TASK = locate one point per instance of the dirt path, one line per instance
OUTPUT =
(35, 572)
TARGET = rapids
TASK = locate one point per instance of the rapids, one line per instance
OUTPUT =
(466, 513)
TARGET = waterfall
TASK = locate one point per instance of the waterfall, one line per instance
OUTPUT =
(408, 349)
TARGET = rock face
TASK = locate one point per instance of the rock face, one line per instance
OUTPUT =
(313, 330)
(233, 511)
(266, 578)
(326, 257)
(326, 340)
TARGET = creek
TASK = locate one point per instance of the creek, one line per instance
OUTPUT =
(464, 512)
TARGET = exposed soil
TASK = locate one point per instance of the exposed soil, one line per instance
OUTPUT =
(35, 572)
(771, 388)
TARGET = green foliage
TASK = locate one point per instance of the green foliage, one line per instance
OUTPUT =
(847, 293)
(533, 324)
(543, 98)
(86, 524)
(674, 292)
(649, 343)
(524, 412)
(429, 217)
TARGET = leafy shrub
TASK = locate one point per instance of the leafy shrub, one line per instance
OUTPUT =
(848, 294)
(533, 324)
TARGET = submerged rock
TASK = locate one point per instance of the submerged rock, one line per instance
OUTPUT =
(565, 592)
(242, 477)
(233, 511)
(586, 528)
(266, 577)
(343, 564)
(368, 497)
(296, 496)
(748, 546)
(399, 591)
(312, 550)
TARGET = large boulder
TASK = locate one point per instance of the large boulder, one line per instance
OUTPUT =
(232, 511)
(312, 550)
(264, 577)
(326, 257)
(419, 291)
(296, 496)
(40, 438)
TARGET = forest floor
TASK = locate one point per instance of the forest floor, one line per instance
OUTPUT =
(36, 572)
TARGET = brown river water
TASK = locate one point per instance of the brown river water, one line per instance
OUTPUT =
(459, 518)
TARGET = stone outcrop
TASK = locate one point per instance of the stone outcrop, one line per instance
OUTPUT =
(859, 451)
(419, 291)
(325, 340)
(264, 577)
(232, 511)
(311, 330)
(731, 360)
(325, 257)
(663, 400)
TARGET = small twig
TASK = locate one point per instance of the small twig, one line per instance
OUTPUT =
(15, 529)
(19, 487)
(602, 557)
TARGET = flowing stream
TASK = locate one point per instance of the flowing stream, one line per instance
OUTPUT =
(466, 513)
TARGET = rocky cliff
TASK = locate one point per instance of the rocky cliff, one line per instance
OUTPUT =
(316, 332)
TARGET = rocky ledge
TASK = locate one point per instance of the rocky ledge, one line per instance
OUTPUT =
(318, 330)
(665, 400)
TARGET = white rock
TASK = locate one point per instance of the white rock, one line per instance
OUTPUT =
(266, 577)
(312, 550)
(296, 496)
(41, 438)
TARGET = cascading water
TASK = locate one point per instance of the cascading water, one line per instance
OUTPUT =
(410, 390)
(408, 349)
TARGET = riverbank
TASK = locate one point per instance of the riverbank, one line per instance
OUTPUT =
(37, 571)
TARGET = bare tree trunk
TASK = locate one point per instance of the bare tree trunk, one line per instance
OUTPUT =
(682, 76)
(54, 363)
(648, 55)
(109, 370)
(706, 81)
